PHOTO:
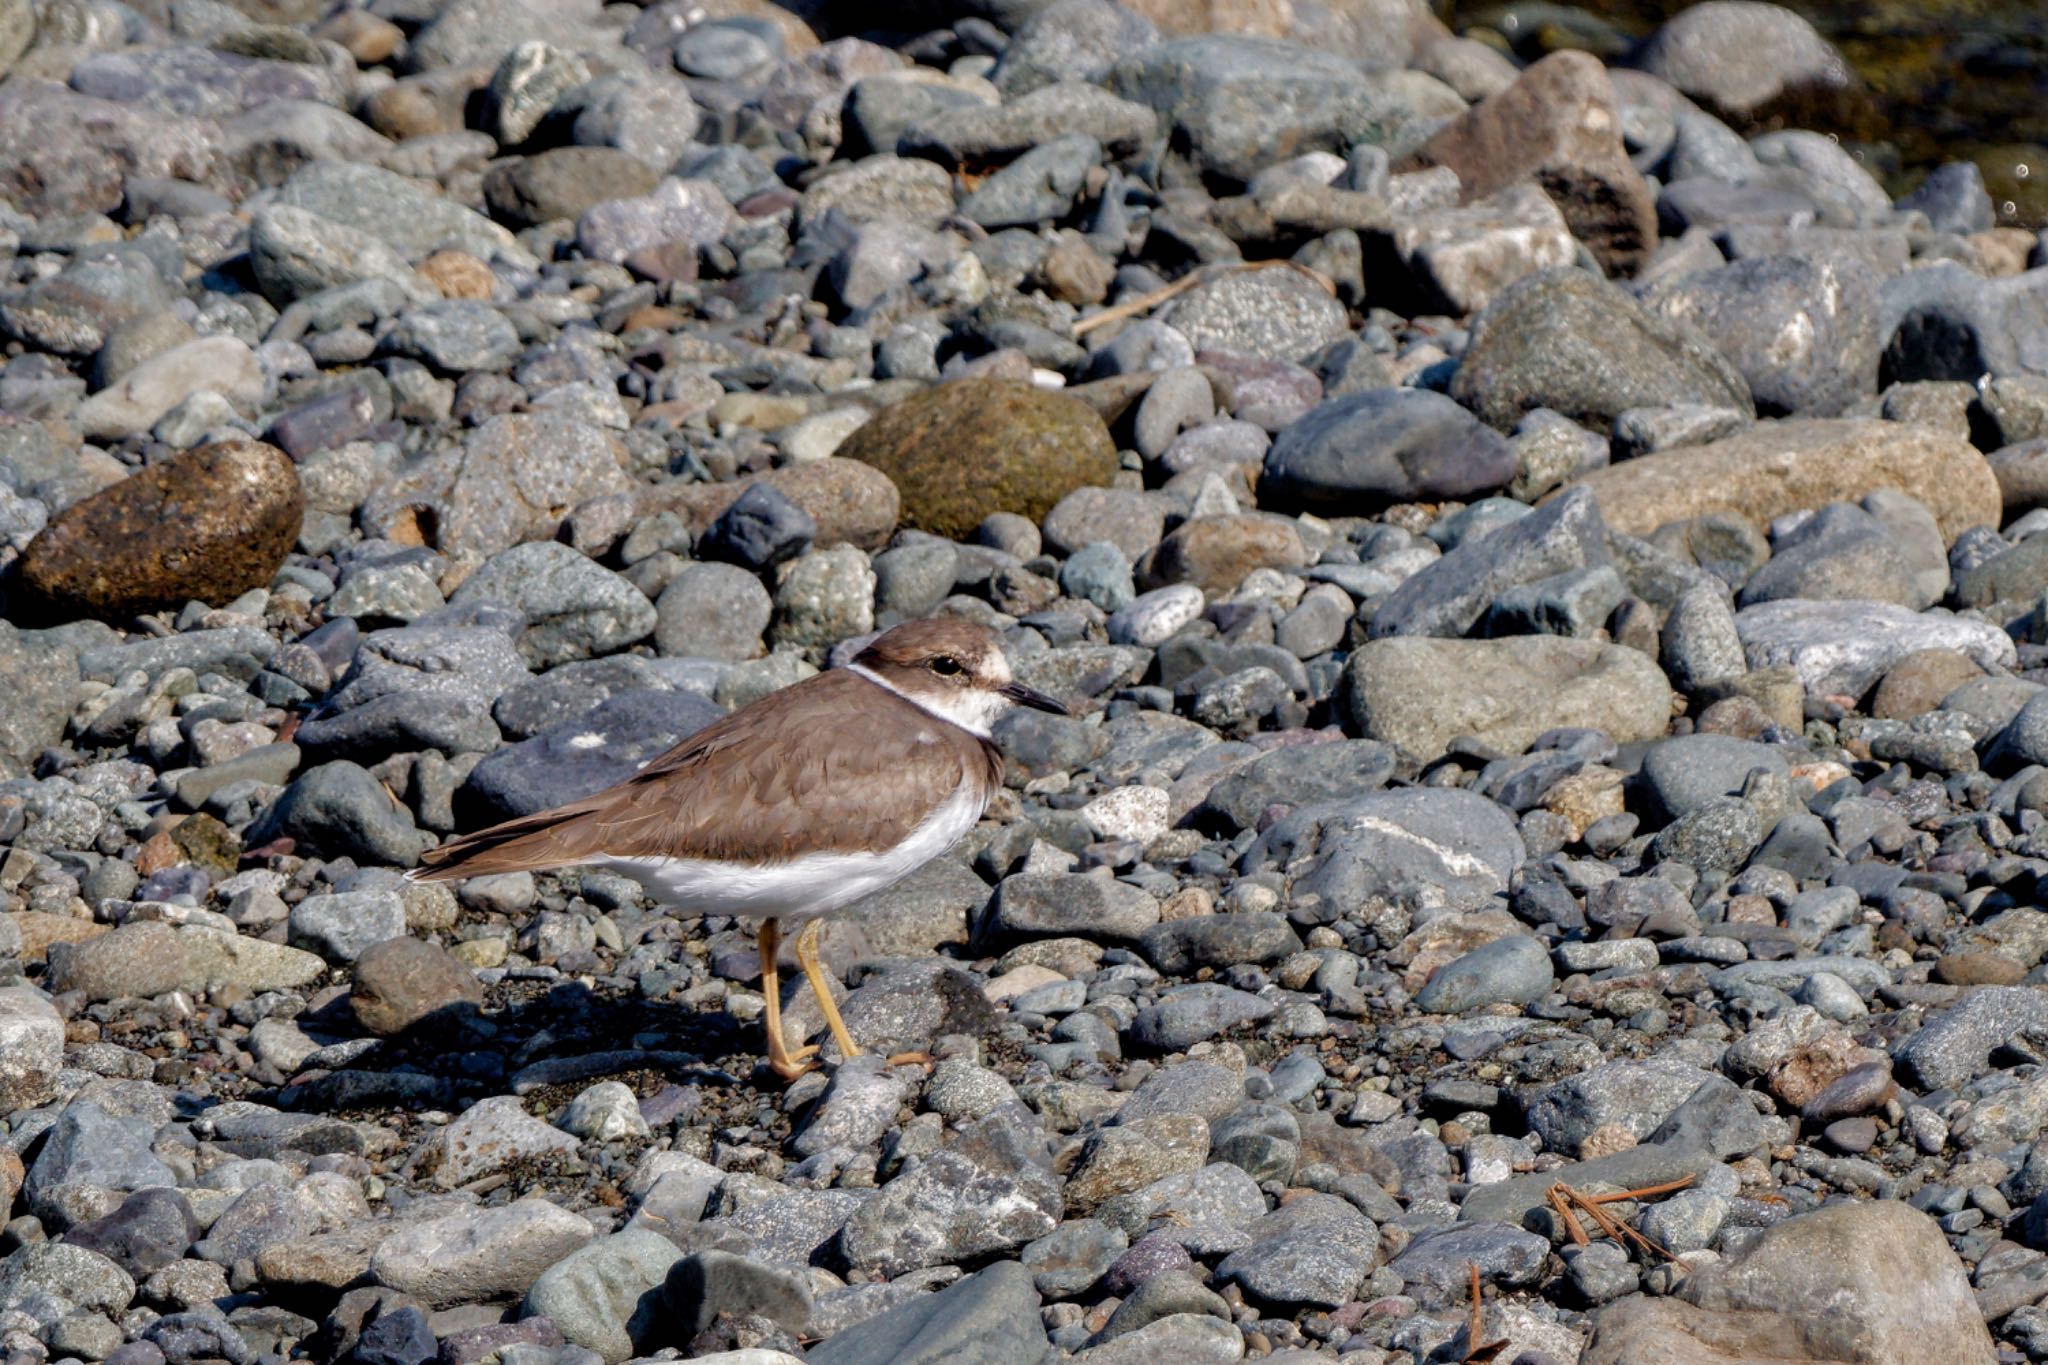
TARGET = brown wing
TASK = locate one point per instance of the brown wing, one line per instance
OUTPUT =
(785, 776)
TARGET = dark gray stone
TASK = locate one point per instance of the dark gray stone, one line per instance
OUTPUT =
(1385, 446)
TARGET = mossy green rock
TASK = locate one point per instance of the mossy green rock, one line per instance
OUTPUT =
(961, 451)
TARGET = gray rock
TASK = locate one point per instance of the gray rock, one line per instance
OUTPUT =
(1689, 771)
(31, 1048)
(711, 1285)
(1449, 596)
(573, 607)
(89, 1149)
(341, 810)
(1186, 1015)
(990, 1318)
(1843, 648)
(605, 1296)
(395, 209)
(1076, 40)
(1434, 1268)
(1299, 775)
(1514, 970)
(713, 611)
(1700, 647)
(1073, 1256)
(1956, 1045)
(1840, 553)
(1457, 844)
(1270, 314)
(491, 1135)
(425, 685)
(1569, 341)
(1953, 198)
(1383, 446)
(1314, 1250)
(341, 925)
(1060, 903)
(454, 336)
(1179, 946)
(1805, 334)
(988, 1192)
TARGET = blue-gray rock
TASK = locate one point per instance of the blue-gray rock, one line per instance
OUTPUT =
(1299, 775)
(1840, 553)
(1449, 596)
(38, 679)
(1179, 946)
(1435, 1268)
(428, 685)
(712, 611)
(1276, 315)
(1044, 903)
(711, 1284)
(1186, 1015)
(1383, 446)
(762, 528)
(1577, 604)
(1514, 970)
(1843, 648)
(150, 1230)
(1739, 57)
(455, 336)
(339, 810)
(1037, 187)
(574, 607)
(583, 755)
(990, 1318)
(1000, 132)
(1077, 40)
(1438, 841)
(1953, 198)
(87, 1146)
(992, 1190)
(1570, 341)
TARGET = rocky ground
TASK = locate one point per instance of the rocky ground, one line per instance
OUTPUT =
(1550, 577)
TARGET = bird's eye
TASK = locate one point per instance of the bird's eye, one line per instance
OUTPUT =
(945, 666)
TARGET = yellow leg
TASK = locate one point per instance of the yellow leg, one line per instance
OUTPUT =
(788, 1065)
(807, 956)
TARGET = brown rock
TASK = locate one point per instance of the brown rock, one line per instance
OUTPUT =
(1813, 1067)
(2022, 473)
(426, 104)
(853, 503)
(458, 275)
(39, 929)
(1779, 467)
(562, 182)
(402, 981)
(209, 524)
(1978, 967)
(1918, 682)
(1215, 553)
(1557, 125)
(961, 451)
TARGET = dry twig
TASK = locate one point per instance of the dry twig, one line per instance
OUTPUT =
(1477, 1353)
(1562, 1197)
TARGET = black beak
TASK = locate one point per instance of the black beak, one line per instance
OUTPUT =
(1032, 697)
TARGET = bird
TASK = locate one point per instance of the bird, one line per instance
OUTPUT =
(795, 806)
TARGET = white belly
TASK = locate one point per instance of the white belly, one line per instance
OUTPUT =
(802, 888)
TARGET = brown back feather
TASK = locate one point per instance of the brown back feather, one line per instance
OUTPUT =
(796, 772)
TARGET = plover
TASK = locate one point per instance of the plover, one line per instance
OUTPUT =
(796, 806)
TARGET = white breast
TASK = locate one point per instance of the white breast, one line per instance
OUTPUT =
(802, 888)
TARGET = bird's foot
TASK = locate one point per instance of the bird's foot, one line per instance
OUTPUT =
(790, 1065)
